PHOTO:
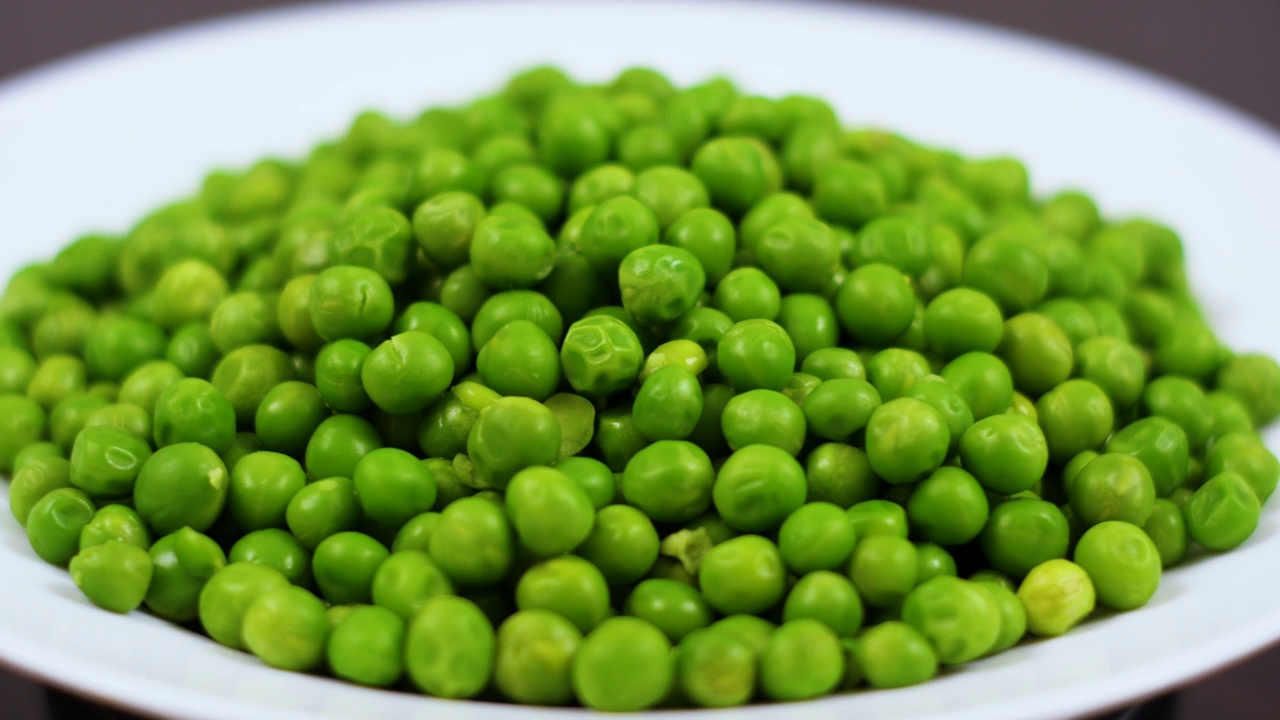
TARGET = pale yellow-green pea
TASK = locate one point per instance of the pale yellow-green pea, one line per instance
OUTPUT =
(685, 353)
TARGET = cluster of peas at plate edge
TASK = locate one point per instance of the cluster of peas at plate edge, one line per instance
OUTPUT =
(625, 395)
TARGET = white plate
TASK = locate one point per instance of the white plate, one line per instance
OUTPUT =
(92, 142)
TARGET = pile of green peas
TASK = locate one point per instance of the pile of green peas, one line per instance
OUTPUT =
(625, 395)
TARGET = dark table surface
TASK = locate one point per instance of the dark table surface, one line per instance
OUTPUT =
(1227, 48)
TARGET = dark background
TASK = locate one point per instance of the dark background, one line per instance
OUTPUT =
(1226, 48)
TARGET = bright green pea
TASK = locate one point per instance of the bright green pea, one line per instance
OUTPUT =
(367, 647)
(550, 513)
(276, 549)
(624, 665)
(288, 416)
(407, 373)
(1182, 401)
(1057, 595)
(512, 434)
(894, 654)
(473, 543)
(958, 617)
(716, 669)
(338, 445)
(183, 484)
(1037, 352)
(670, 480)
(192, 410)
(743, 575)
(1168, 530)
(736, 172)
(350, 302)
(287, 628)
(181, 564)
(345, 564)
(534, 658)
(449, 649)
(883, 569)
(756, 354)
(322, 508)
(339, 367)
(601, 355)
(757, 487)
(569, 586)
(105, 462)
(1122, 562)
(1009, 270)
(1075, 416)
(113, 575)
(227, 595)
(406, 581)
(144, 386)
(848, 193)
(1006, 453)
(962, 320)
(55, 523)
(708, 235)
(1022, 533)
(906, 440)
(1245, 454)
(1160, 445)
(1220, 515)
(1115, 366)
(839, 474)
(817, 536)
(675, 608)
(949, 507)
(33, 479)
(875, 304)
(247, 374)
(1255, 381)
(1113, 486)
(115, 523)
(803, 660)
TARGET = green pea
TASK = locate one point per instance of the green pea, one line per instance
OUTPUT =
(33, 479)
(407, 373)
(894, 654)
(1057, 595)
(906, 440)
(756, 354)
(534, 658)
(883, 569)
(569, 586)
(473, 542)
(675, 608)
(449, 649)
(1255, 381)
(113, 575)
(276, 549)
(624, 665)
(287, 628)
(803, 660)
(839, 474)
(758, 487)
(600, 355)
(1160, 445)
(350, 302)
(1122, 562)
(716, 669)
(1009, 270)
(670, 480)
(827, 597)
(1220, 515)
(367, 647)
(345, 564)
(181, 564)
(1037, 352)
(550, 512)
(736, 172)
(55, 523)
(288, 416)
(1182, 401)
(1115, 366)
(962, 320)
(743, 575)
(848, 193)
(1168, 530)
(1113, 486)
(1023, 533)
(708, 235)
(183, 484)
(875, 304)
(958, 617)
(406, 581)
(338, 445)
(322, 508)
(1245, 454)
(227, 595)
(246, 375)
(949, 507)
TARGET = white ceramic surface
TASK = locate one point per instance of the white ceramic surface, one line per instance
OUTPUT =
(93, 141)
